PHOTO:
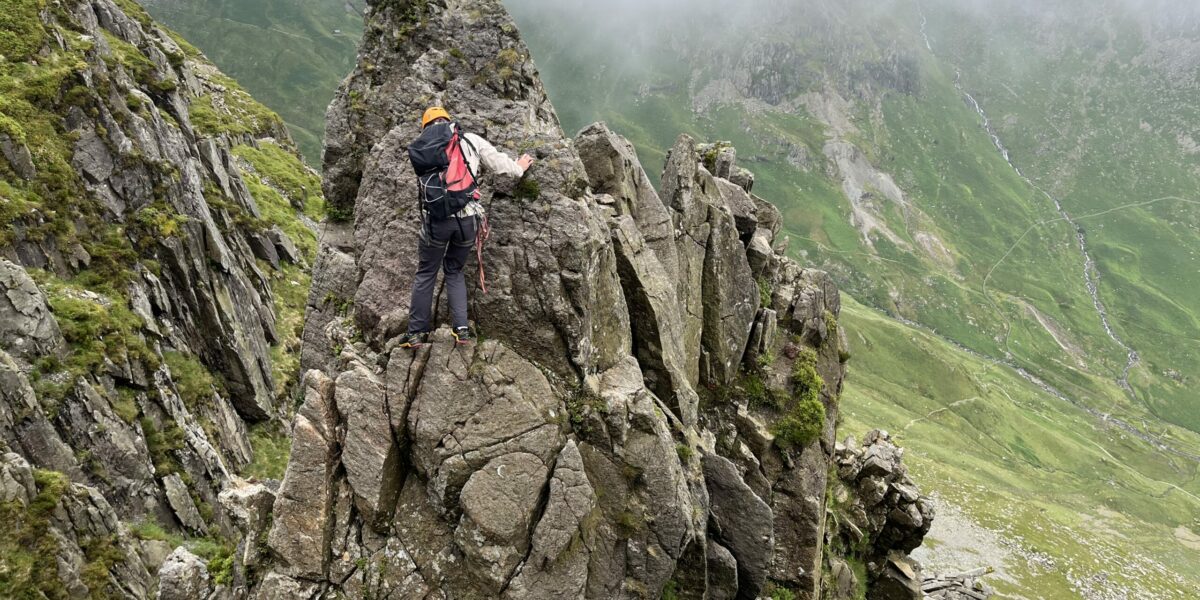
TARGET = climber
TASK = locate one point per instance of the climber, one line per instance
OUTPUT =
(447, 162)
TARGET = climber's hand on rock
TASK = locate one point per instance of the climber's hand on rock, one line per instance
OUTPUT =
(525, 161)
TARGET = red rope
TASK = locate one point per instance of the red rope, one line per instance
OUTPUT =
(481, 237)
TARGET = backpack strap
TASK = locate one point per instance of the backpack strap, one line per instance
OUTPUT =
(462, 139)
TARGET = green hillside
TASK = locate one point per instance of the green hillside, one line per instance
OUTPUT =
(1105, 121)
(1067, 497)
(290, 54)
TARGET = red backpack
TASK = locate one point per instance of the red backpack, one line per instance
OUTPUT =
(444, 178)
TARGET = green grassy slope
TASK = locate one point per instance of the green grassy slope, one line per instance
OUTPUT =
(290, 54)
(1047, 476)
(1105, 119)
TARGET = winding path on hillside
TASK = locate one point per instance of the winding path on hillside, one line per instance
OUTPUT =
(1091, 275)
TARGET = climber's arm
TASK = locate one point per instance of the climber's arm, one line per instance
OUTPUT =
(496, 161)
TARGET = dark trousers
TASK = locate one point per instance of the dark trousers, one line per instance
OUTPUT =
(444, 244)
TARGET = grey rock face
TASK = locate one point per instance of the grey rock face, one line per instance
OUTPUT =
(613, 168)
(880, 506)
(183, 576)
(743, 523)
(888, 505)
(79, 516)
(185, 509)
(300, 535)
(27, 328)
(722, 579)
(498, 504)
(24, 425)
(557, 565)
(369, 451)
(730, 296)
(690, 193)
(958, 586)
(18, 157)
(657, 321)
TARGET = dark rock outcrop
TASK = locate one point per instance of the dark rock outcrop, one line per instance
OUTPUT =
(880, 517)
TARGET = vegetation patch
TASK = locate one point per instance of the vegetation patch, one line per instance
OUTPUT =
(776, 591)
(150, 530)
(233, 112)
(101, 555)
(28, 568)
(527, 189)
(218, 552)
(164, 447)
(21, 31)
(284, 171)
(135, 61)
(271, 450)
(764, 292)
(156, 221)
(804, 419)
(195, 384)
(582, 402)
(290, 287)
(277, 211)
(97, 329)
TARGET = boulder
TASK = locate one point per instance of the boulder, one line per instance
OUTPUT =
(19, 157)
(657, 323)
(738, 203)
(613, 168)
(722, 573)
(480, 403)
(184, 576)
(181, 502)
(691, 193)
(370, 454)
(730, 298)
(557, 565)
(498, 505)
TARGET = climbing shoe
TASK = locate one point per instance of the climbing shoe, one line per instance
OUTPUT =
(462, 336)
(413, 340)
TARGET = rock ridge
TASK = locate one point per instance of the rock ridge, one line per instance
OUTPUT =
(651, 410)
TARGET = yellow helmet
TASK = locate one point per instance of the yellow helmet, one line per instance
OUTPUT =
(433, 114)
